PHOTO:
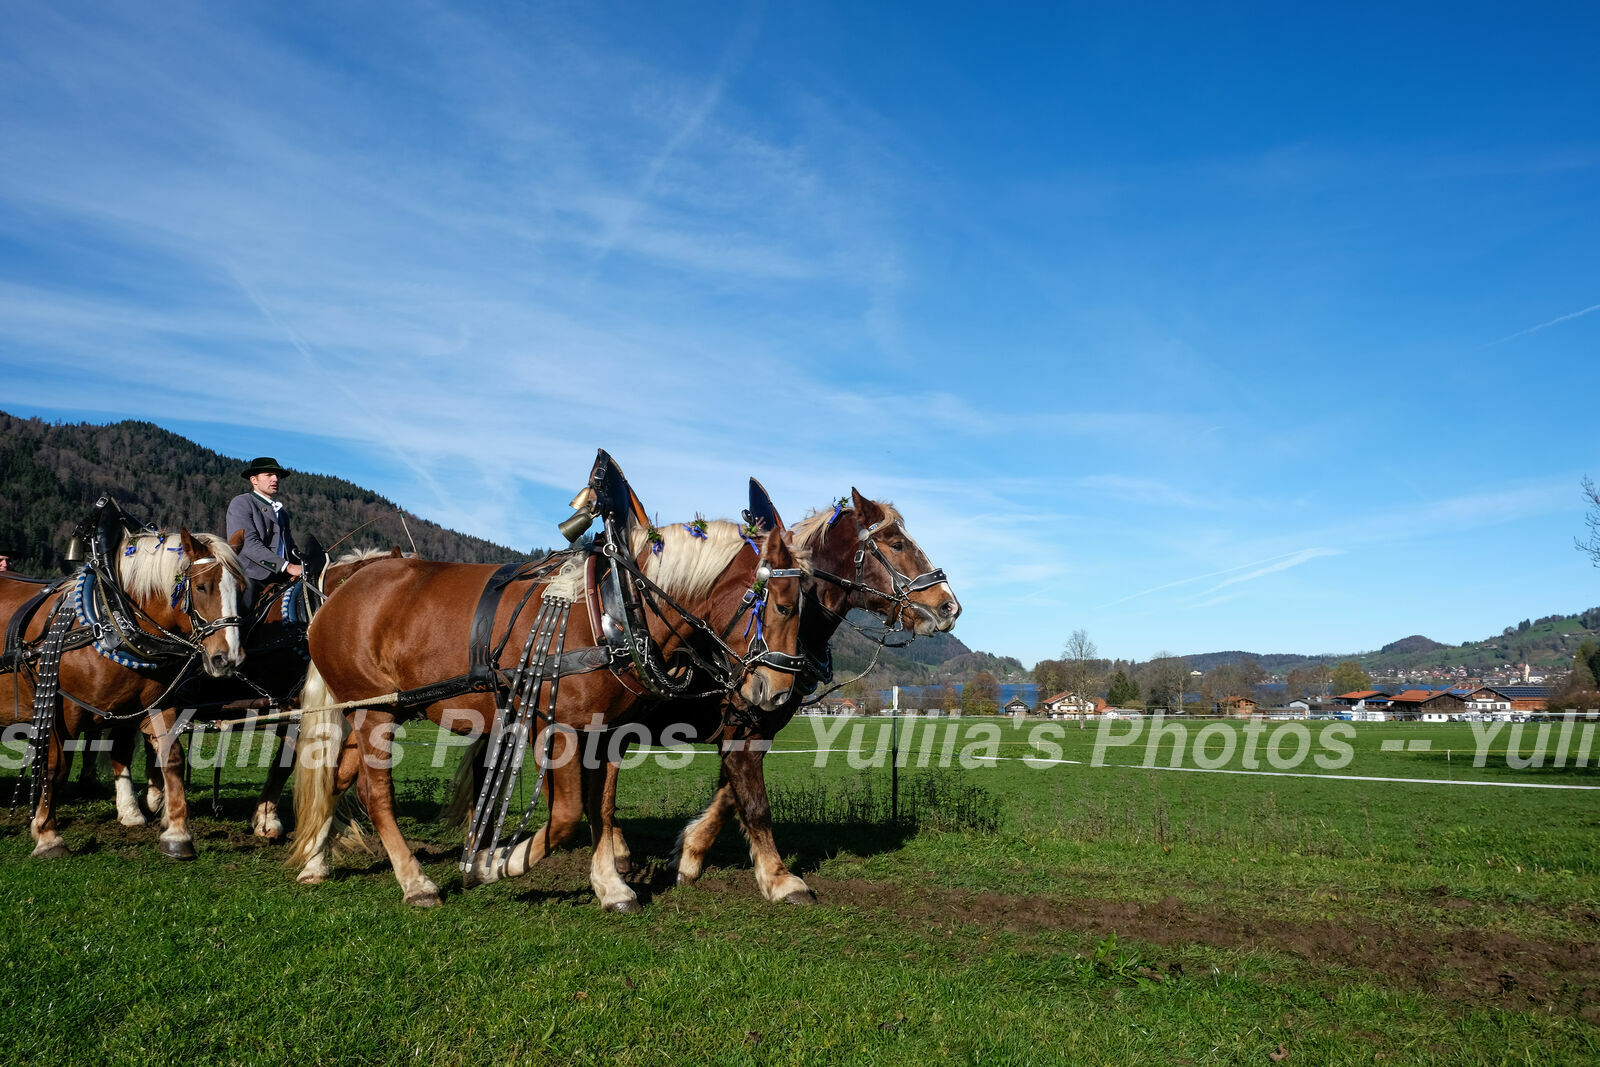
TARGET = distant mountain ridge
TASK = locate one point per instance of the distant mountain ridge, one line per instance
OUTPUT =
(52, 473)
(1547, 643)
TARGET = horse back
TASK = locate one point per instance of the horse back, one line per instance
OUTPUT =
(403, 623)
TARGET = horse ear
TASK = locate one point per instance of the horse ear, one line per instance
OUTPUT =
(236, 542)
(394, 552)
(776, 551)
(187, 541)
(867, 511)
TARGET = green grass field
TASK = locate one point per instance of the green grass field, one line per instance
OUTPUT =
(1065, 913)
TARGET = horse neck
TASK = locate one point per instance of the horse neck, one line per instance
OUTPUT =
(717, 606)
(156, 608)
(835, 552)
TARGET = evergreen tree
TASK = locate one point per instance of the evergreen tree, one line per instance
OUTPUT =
(1123, 691)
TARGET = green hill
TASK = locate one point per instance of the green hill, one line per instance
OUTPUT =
(1544, 644)
(52, 473)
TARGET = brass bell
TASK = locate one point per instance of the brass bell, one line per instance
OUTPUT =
(576, 525)
(77, 551)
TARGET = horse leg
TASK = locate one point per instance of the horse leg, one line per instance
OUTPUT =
(48, 843)
(601, 810)
(155, 796)
(562, 787)
(89, 769)
(265, 821)
(374, 736)
(696, 839)
(164, 755)
(744, 769)
(619, 845)
(123, 737)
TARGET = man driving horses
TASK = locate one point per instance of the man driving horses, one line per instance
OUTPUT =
(269, 553)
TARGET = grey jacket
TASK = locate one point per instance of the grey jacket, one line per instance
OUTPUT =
(264, 532)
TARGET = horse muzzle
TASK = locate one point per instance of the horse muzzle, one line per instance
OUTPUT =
(759, 691)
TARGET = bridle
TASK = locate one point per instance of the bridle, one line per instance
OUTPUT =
(901, 584)
(754, 602)
(199, 627)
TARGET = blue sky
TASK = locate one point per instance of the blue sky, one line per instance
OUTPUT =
(1273, 329)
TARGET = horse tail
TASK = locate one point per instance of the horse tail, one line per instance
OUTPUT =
(464, 786)
(322, 733)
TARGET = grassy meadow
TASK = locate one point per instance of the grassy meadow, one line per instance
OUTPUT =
(1016, 913)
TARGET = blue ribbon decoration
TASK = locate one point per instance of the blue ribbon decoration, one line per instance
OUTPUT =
(757, 606)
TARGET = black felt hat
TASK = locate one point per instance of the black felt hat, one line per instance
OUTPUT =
(263, 465)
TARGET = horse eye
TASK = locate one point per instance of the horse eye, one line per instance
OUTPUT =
(898, 546)
(784, 610)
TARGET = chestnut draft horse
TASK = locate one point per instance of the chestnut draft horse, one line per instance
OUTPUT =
(183, 590)
(275, 667)
(403, 624)
(860, 556)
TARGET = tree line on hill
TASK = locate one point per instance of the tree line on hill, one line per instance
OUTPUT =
(52, 474)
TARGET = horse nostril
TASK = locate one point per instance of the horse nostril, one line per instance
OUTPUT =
(950, 609)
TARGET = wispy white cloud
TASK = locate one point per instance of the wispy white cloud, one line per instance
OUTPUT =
(1546, 325)
(1294, 560)
(1255, 569)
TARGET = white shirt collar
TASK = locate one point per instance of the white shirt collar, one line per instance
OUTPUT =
(277, 505)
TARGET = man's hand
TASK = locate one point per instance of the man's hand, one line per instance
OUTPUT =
(293, 570)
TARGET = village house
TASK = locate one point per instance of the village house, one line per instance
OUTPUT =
(1426, 705)
(1071, 706)
(1238, 707)
(1526, 698)
(1489, 703)
(1017, 707)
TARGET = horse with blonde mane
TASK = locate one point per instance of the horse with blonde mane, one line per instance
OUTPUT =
(401, 626)
(274, 669)
(860, 557)
(175, 604)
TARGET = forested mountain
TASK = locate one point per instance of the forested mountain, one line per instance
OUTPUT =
(52, 473)
(1543, 644)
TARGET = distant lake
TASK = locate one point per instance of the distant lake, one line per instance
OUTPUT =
(911, 695)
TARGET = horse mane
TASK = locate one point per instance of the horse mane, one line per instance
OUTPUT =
(688, 566)
(153, 565)
(808, 531)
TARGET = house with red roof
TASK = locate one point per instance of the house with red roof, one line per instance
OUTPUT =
(1427, 705)
(1069, 705)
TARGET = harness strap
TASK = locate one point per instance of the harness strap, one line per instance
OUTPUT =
(46, 700)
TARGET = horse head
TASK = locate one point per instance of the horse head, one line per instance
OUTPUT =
(772, 633)
(192, 589)
(863, 550)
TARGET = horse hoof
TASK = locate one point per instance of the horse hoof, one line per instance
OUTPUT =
(270, 834)
(310, 879)
(801, 896)
(624, 907)
(424, 900)
(178, 850)
(57, 851)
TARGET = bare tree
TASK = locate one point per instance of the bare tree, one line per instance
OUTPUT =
(1078, 658)
(1592, 520)
(1165, 676)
